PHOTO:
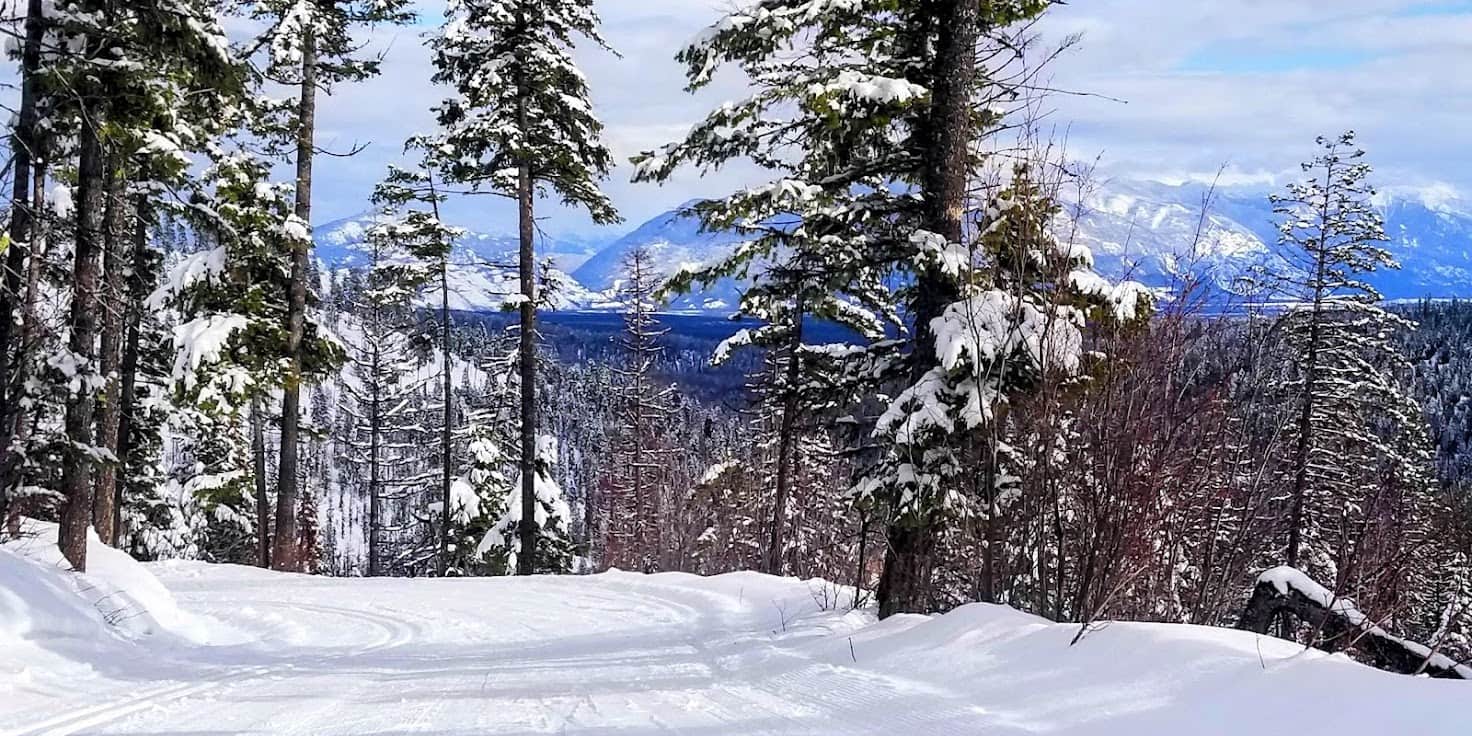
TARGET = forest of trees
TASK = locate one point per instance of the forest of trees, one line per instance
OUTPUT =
(180, 376)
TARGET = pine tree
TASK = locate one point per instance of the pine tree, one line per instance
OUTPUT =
(504, 544)
(868, 115)
(728, 494)
(383, 401)
(520, 123)
(1359, 458)
(632, 503)
(173, 49)
(311, 44)
(231, 342)
(478, 501)
(425, 239)
(20, 253)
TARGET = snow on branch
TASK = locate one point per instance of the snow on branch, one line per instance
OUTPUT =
(1286, 590)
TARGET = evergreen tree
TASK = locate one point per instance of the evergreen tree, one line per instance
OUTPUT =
(383, 402)
(633, 507)
(139, 63)
(480, 499)
(312, 46)
(20, 253)
(505, 544)
(868, 115)
(518, 125)
(427, 241)
(231, 341)
(1357, 479)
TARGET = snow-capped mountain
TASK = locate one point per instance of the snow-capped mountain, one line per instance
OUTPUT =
(674, 240)
(1157, 235)
(482, 274)
(1146, 231)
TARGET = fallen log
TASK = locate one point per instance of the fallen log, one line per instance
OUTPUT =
(1286, 590)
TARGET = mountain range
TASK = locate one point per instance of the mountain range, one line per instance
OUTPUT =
(1146, 231)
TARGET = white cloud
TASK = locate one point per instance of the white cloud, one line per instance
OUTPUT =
(1285, 71)
(1264, 79)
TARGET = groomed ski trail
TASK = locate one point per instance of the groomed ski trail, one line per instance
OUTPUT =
(740, 655)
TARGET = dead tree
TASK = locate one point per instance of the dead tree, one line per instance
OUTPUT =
(1338, 626)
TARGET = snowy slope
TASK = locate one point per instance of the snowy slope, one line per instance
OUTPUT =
(741, 654)
(1149, 233)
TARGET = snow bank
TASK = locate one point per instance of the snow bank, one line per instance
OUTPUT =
(1021, 674)
(631, 654)
(116, 591)
(40, 601)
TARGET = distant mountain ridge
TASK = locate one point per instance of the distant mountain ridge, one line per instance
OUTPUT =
(1136, 229)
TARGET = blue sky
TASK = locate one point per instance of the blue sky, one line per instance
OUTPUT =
(1180, 88)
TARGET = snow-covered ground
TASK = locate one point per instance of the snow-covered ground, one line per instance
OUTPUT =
(249, 651)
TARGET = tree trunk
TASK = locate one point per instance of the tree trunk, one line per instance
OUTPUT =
(284, 553)
(904, 585)
(947, 136)
(526, 559)
(76, 476)
(258, 469)
(374, 427)
(13, 346)
(785, 443)
(20, 426)
(140, 283)
(1337, 632)
(1304, 444)
(447, 389)
(112, 303)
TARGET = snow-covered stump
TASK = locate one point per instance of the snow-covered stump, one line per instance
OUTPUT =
(1340, 625)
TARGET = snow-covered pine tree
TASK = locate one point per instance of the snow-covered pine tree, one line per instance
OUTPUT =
(504, 545)
(729, 495)
(479, 500)
(228, 342)
(231, 339)
(311, 45)
(868, 114)
(520, 124)
(1356, 476)
(184, 106)
(135, 64)
(383, 403)
(20, 253)
(413, 201)
(631, 502)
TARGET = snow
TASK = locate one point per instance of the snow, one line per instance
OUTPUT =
(550, 504)
(738, 654)
(207, 265)
(157, 144)
(200, 342)
(993, 324)
(871, 88)
(62, 201)
(40, 597)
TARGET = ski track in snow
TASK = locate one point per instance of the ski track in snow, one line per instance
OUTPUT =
(630, 655)
(394, 632)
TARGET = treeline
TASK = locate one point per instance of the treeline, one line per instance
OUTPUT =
(1002, 423)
